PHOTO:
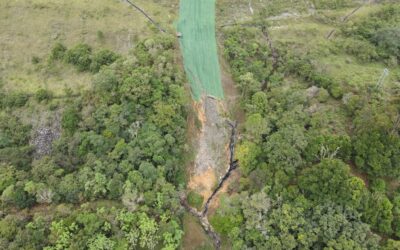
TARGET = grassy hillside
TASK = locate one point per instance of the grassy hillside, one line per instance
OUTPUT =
(31, 28)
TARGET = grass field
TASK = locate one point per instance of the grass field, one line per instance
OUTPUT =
(307, 35)
(29, 29)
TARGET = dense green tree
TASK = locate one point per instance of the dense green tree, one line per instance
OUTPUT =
(102, 58)
(328, 146)
(70, 119)
(377, 153)
(378, 213)
(330, 180)
(283, 149)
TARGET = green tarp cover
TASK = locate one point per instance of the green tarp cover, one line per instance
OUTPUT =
(199, 47)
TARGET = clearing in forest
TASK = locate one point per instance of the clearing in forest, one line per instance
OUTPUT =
(199, 47)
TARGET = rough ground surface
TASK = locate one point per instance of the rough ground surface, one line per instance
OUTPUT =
(211, 159)
(46, 129)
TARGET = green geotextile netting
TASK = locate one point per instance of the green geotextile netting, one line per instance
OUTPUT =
(199, 47)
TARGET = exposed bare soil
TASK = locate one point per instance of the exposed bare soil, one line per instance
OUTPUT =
(211, 159)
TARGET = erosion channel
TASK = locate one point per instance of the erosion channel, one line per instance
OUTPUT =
(214, 101)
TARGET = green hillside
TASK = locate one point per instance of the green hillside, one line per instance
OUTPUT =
(106, 141)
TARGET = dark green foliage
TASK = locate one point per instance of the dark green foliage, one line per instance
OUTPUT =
(322, 146)
(80, 56)
(387, 17)
(101, 58)
(58, 52)
(14, 139)
(35, 60)
(300, 148)
(70, 119)
(387, 41)
(13, 132)
(362, 49)
(13, 100)
(307, 71)
(330, 180)
(100, 35)
(20, 157)
(43, 95)
(249, 59)
(122, 146)
(396, 215)
(379, 28)
(377, 153)
(270, 224)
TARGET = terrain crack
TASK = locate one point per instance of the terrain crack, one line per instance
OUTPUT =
(202, 216)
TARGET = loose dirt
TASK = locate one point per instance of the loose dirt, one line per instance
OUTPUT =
(212, 158)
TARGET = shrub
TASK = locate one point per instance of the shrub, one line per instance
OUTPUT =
(387, 41)
(361, 49)
(332, 4)
(378, 185)
(80, 56)
(323, 95)
(35, 60)
(195, 200)
(70, 120)
(14, 100)
(58, 52)
(43, 95)
(101, 58)
(100, 35)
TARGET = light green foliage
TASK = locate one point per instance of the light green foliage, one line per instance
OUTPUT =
(378, 213)
(172, 237)
(195, 200)
(248, 85)
(256, 126)
(61, 235)
(333, 4)
(101, 242)
(391, 245)
(199, 47)
(148, 229)
(247, 154)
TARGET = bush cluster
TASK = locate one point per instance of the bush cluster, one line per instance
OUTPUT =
(82, 57)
